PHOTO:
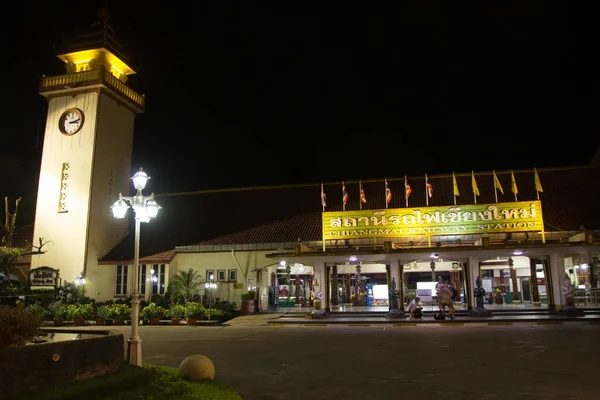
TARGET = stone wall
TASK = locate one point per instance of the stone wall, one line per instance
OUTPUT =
(46, 365)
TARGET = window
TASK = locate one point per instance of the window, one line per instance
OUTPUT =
(64, 186)
(142, 279)
(158, 286)
(121, 284)
(210, 275)
(220, 275)
(233, 275)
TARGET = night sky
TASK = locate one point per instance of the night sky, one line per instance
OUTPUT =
(267, 93)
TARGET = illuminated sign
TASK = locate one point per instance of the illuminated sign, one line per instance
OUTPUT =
(523, 216)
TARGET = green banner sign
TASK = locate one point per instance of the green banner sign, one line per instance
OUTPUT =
(523, 216)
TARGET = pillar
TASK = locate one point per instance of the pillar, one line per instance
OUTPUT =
(557, 275)
(515, 285)
(388, 274)
(327, 288)
(297, 285)
(472, 272)
(347, 281)
(533, 283)
(357, 286)
(335, 298)
(401, 284)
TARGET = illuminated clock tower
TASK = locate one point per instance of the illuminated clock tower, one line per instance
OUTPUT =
(86, 158)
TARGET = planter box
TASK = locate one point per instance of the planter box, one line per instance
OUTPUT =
(46, 365)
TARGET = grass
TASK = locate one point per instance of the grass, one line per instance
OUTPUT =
(152, 382)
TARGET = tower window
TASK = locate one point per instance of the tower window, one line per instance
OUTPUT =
(111, 189)
(64, 186)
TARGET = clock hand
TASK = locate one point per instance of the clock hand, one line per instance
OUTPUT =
(74, 122)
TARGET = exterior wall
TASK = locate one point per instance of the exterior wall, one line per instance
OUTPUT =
(110, 176)
(100, 165)
(245, 262)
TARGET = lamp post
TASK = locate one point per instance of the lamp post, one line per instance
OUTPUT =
(210, 286)
(145, 208)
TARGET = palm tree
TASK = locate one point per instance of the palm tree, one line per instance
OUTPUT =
(186, 284)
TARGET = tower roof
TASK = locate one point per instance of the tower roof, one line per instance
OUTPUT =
(99, 34)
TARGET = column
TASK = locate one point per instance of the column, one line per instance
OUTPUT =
(297, 285)
(515, 285)
(388, 274)
(535, 292)
(318, 282)
(401, 284)
(357, 286)
(472, 272)
(347, 287)
(327, 288)
(557, 276)
(335, 299)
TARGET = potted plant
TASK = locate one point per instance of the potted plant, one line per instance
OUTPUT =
(176, 312)
(193, 312)
(248, 302)
(58, 311)
(153, 313)
(121, 312)
(104, 315)
(79, 313)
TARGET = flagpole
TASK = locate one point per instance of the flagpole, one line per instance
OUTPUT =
(454, 183)
(405, 193)
(385, 193)
(360, 194)
(343, 200)
(426, 192)
(472, 180)
(537, 178)
(322, 200)
(495, 187)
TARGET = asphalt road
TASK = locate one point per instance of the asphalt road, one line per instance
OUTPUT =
(386, 362)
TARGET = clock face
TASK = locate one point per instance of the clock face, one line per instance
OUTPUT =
(71, 121)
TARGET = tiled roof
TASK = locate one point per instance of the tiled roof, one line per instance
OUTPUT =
(164, 257)
(570, 200)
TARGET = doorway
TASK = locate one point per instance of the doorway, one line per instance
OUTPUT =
(525, 290)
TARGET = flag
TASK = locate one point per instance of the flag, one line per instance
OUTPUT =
(363, 197)
(513, 183)
(497, 184)
(428, 187)
(407, 188)
(344, 194)
(388, 193)
(323, 197)
(456, 192)
(474, 184)
(538, 184)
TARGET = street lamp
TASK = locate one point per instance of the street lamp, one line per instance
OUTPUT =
(145, 208)
(152, 279)
(210, 285)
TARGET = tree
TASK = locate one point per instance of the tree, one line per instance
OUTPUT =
(9, 253)
(186, 284)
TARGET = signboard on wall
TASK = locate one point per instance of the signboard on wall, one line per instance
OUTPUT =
(522, 216)
(43, 276)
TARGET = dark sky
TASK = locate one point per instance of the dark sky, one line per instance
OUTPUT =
(256, 93)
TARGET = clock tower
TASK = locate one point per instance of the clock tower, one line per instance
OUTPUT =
(86, 157)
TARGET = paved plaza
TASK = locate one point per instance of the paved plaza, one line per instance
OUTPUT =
(437, 361)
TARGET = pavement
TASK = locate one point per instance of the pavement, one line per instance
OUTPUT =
(469, 361)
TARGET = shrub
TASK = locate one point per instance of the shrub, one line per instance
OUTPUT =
(104, 312)
(17, 327)
(194, 310)
(121, 311)
(249, 295)
(80, 310)
(57, 310)
(177, 311)
(152, 311)
(37, 308)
